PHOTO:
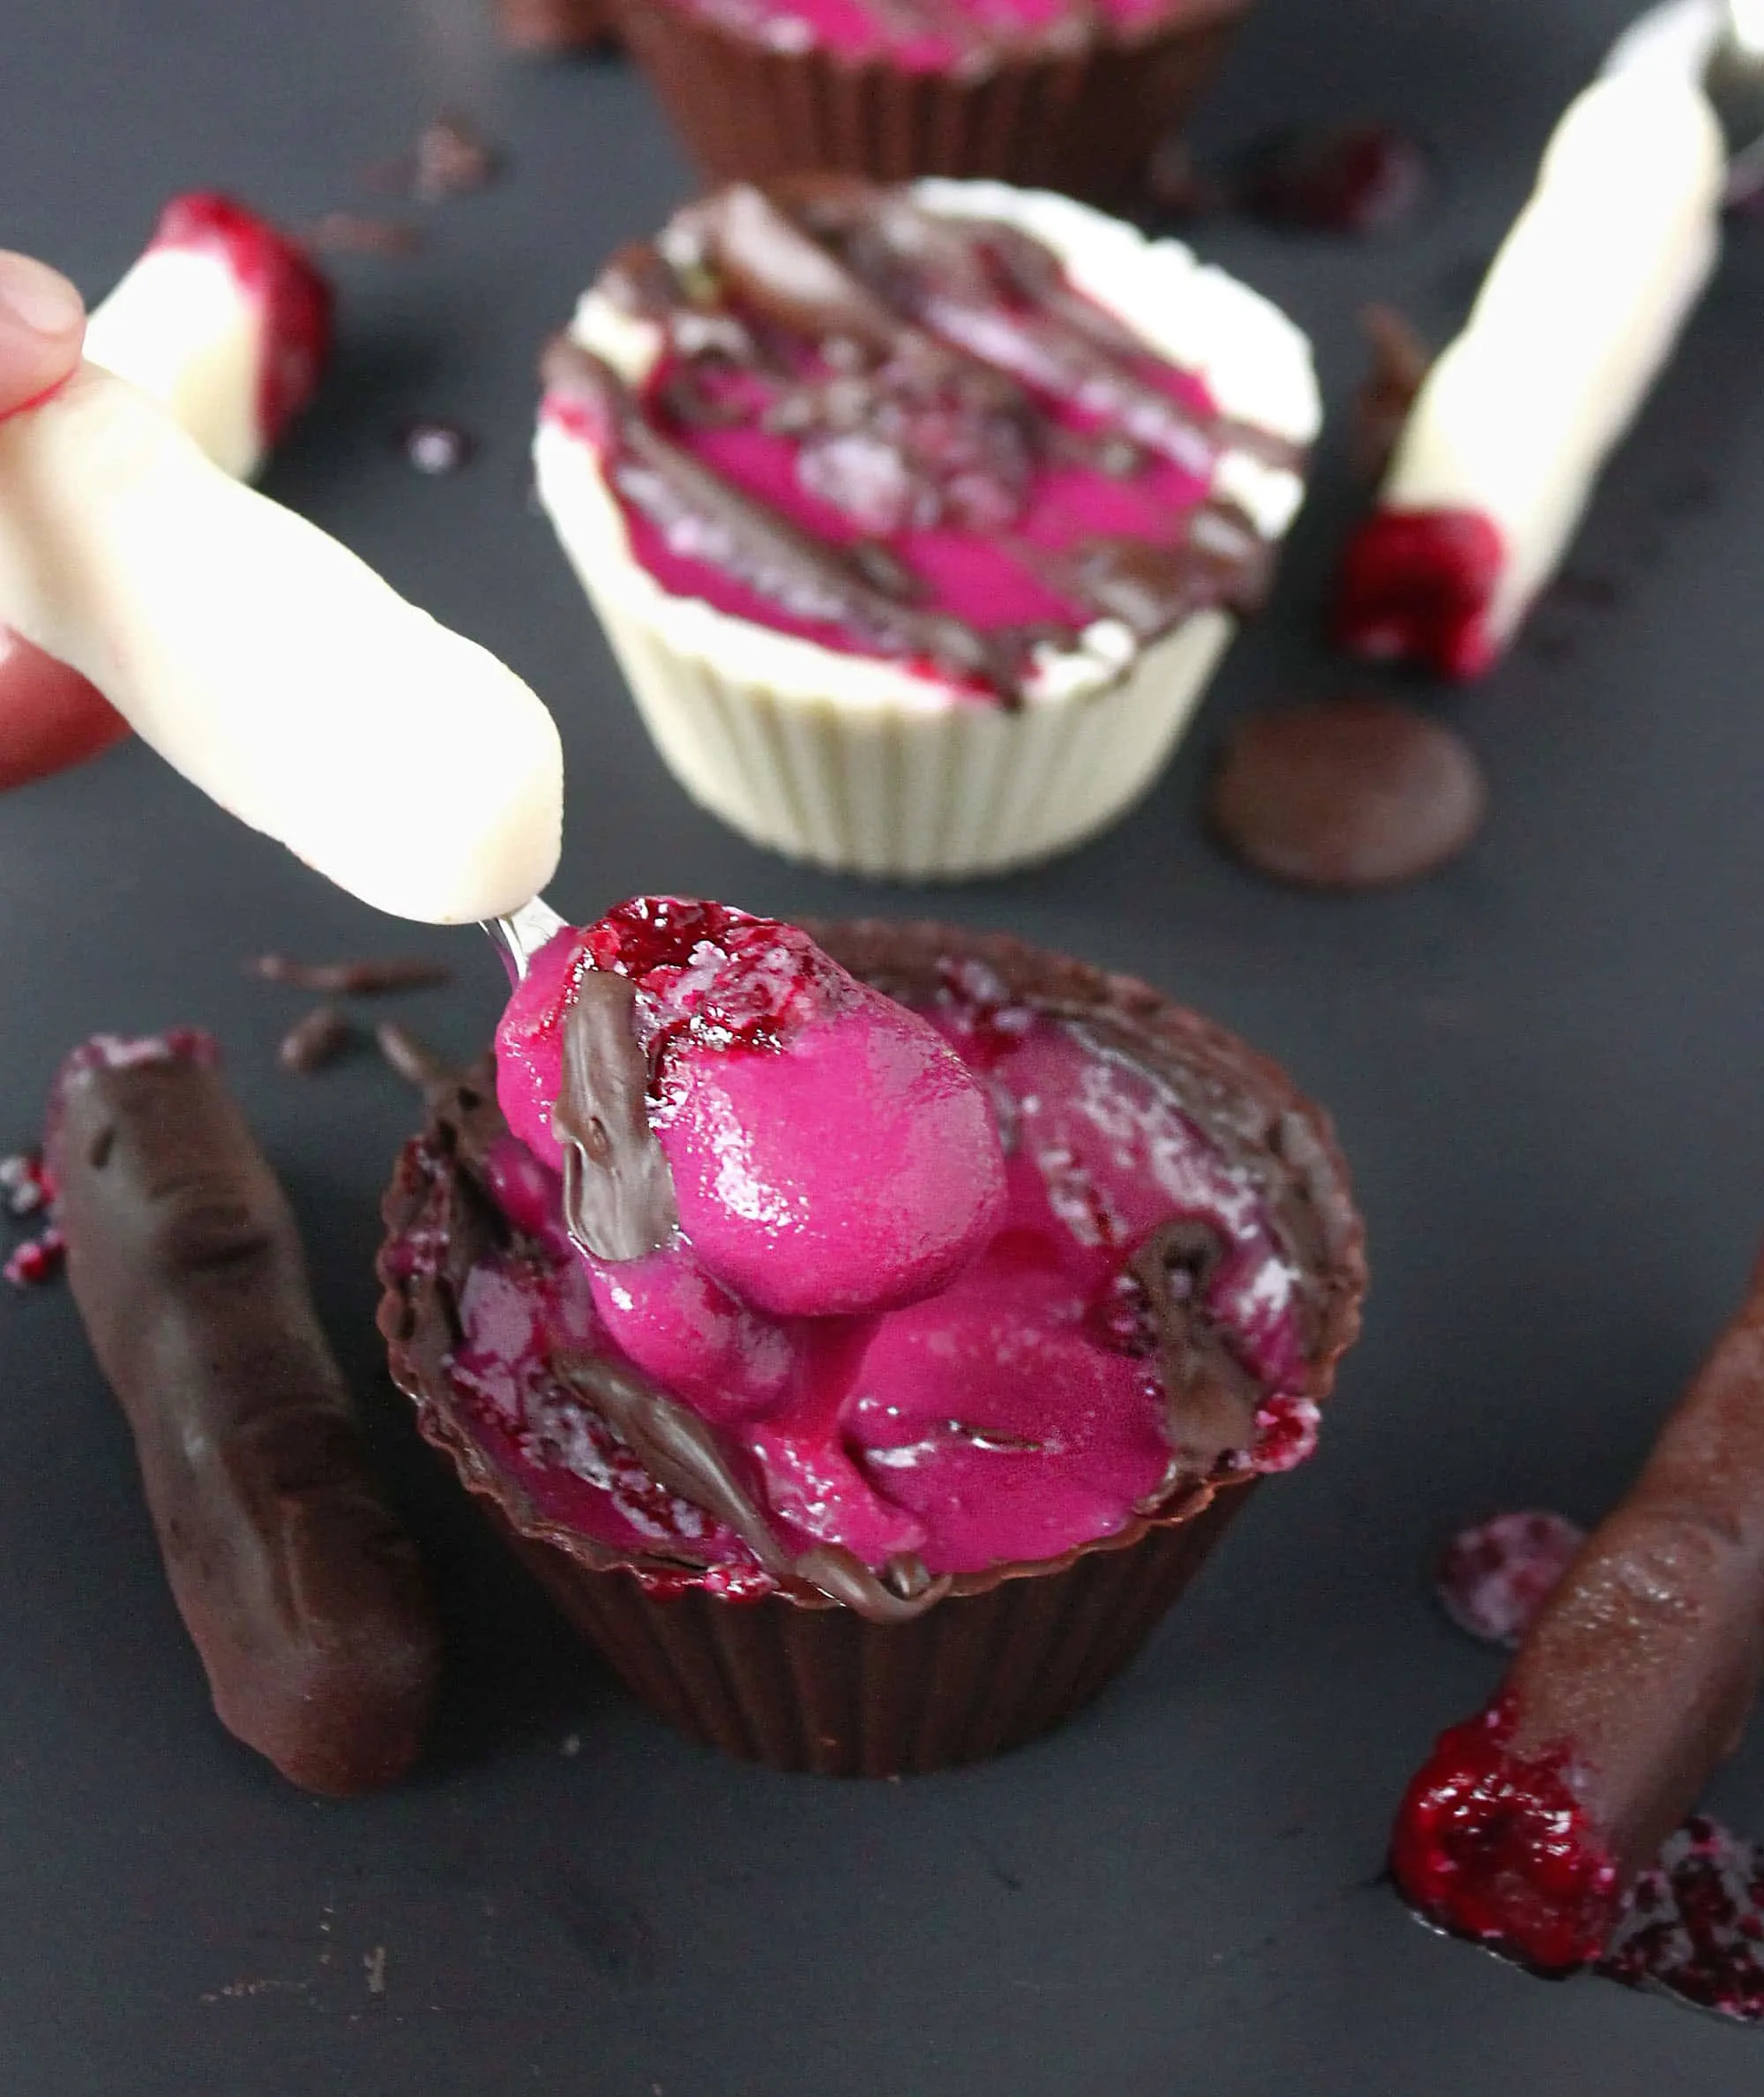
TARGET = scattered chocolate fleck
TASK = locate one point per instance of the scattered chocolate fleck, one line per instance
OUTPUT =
(450, 158)
(1494, 1577)
(370, 977)
(436, 448)
(36, 1260)
(411, 1058)
(311, 1043)
(1400, 361)
(1352, 178)
(1694, 1927)
(350, 233)
(1349, 793)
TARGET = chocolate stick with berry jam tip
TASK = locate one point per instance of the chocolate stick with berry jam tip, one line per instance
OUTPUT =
(1529, 1824)
(302, 1595)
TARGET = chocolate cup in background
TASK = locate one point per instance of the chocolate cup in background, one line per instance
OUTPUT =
(800, 1682)
(1084, 119)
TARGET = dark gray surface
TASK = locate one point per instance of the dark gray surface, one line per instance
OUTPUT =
(1545, 1066)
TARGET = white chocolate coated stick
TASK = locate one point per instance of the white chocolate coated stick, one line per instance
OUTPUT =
(225, 320)
(1580, 310)
(270, 666)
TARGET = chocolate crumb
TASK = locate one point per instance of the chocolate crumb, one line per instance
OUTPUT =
(549, 28)
(350, 232)
(372, 976)
(436, 448)
(1399, 363)
(450, 158)
(311, 1043)
(1349, 178)
(1349, 793)
(412, 1057)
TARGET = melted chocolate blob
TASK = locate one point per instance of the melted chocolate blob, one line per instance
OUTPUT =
(1349, 793)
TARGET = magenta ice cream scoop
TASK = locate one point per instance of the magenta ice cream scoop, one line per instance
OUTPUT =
(830, 1155)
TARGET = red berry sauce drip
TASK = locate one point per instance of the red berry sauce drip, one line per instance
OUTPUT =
(1494, 1577)
(294, 297)
(1416, 586)
(710, 976)
(1352, 178)
(1498, 1848)
(1694, 1927)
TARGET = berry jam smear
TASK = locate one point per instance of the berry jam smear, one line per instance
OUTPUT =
(1014, 1413)
(1693, 1928)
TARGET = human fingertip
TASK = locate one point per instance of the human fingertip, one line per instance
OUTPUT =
(36, 300)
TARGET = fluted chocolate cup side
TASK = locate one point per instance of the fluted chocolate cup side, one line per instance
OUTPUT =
(1083, 119)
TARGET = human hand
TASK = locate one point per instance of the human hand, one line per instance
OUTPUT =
(50, 716)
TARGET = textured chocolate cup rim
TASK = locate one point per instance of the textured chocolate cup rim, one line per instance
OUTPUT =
(1000, 56)
(1249, 1103)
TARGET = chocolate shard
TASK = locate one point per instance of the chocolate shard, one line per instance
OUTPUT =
(303, 1593)
(1400, 363)
(1529, 1823)
(1210, 1398)
(372, 976)
(682, 1450)
(311, 1043)
(618, 1190)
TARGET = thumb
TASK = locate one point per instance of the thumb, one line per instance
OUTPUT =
(42, 324)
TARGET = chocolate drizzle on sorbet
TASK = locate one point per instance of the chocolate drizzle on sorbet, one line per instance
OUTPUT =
(926, 371)
(618, 1192)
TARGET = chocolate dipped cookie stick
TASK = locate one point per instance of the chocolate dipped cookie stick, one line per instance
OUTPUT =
(303, 1593)
(1529, 1824)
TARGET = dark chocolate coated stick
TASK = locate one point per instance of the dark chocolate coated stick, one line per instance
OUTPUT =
(303, 1595)
(1529, 1823)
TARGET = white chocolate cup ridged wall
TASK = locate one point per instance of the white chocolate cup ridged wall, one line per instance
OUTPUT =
(859, 765)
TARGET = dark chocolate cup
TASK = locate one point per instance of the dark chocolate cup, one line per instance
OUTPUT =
(1083, 118)
(802, 1682)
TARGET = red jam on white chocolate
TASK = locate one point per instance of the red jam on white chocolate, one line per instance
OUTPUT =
(921, 1340)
